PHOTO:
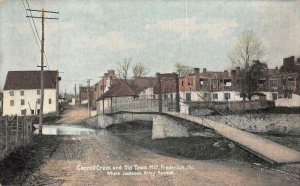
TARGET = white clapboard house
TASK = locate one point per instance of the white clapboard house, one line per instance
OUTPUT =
(22, 93)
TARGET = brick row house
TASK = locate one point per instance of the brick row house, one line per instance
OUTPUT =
(22, 93)
(225, 86)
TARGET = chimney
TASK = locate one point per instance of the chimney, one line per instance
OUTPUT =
(111, 72)
(197, 78)
(196, 71)
(204, 70)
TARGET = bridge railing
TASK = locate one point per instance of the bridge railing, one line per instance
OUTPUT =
(141, 105)
(14, 132)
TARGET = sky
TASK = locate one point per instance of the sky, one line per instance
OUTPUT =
(92, 36)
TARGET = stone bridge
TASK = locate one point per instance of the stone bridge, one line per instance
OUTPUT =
(172, 124)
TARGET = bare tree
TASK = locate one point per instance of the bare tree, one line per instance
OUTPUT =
(123, 68)
(247, 52)
(183, 70)
(139, 70)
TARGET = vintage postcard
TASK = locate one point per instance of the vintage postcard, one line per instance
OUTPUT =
(149, 92)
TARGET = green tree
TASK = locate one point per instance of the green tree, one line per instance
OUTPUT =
(183, 70)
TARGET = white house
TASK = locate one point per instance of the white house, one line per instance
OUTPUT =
(22, 94)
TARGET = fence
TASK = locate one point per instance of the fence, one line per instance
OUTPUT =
(141, 105)
(14, 132)
(232, 105)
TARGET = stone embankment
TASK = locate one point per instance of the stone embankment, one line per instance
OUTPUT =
(271, 123)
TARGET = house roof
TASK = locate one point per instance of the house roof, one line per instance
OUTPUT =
(119, 90)
(16, 80)
(141, 83)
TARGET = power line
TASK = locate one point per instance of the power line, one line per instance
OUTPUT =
(37, 33)
(36, 39)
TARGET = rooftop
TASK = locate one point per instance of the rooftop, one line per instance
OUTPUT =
(17, 80)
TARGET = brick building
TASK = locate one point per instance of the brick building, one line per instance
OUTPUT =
(104, 83)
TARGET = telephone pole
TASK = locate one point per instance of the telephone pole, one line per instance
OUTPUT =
(42, 58)
(75, 90)
(88, 93)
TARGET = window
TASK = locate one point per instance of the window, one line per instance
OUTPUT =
(22, 102)
(273, 83)
(188, 96)
(182, 83)
(12, 103)
(11, 93)
(50, 101)
(23, 112)
(274, 96)
(32, 112)
(215, 96)
(38, 92)
(38, 101)
(22, 92)
(227, 96)
(165, 96)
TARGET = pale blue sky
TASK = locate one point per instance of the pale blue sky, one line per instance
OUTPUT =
(91, 36)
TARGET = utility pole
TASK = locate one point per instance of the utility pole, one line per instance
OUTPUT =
(42, 59)
(79, 94)
(88, 93)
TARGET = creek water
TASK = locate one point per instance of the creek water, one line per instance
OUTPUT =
(66, 130)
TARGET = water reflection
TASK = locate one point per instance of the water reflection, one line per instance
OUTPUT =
(66, 130)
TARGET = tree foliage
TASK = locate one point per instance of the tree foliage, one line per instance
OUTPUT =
(183, 70)
(139, 70)
(252, 74)
(247, 53)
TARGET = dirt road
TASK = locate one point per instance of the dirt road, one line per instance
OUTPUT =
(76, 160)
(73, 115)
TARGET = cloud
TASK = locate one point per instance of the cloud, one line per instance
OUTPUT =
(189, 28)
(114, 41)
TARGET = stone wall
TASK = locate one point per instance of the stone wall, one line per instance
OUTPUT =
(165, 126)
(103, 121)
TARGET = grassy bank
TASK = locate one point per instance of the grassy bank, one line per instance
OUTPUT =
(21, 163)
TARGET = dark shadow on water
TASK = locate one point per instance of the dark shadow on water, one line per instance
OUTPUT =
(197, 148)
